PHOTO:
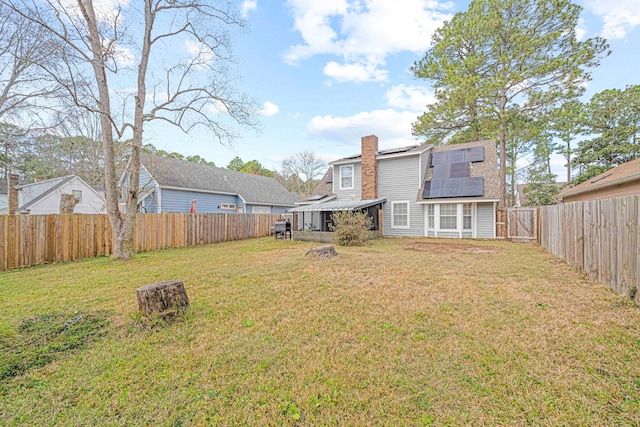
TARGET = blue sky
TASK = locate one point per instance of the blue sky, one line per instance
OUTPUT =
(328, 72)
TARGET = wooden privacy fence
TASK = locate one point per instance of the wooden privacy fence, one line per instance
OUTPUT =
(599, 236)
(27, 240)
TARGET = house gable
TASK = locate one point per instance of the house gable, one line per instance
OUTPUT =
(176, 180)
(48, 202)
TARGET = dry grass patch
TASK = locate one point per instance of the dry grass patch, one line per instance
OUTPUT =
(446, 246)
(380, 335)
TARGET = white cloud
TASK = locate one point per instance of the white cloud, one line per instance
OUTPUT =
(269, 109)
(363, 33)
(358, 73)
(216, 107)
(108, 12)
(413, 98)
(248, 6)
(581, 30)
(118, 55)
(620, 17)
(200, 53)
(392, 127)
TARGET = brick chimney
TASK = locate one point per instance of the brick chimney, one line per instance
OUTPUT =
(12, 194)
(369, 167)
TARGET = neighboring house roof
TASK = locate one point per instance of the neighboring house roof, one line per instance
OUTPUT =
(392, 152)
(3, 185)
(621, 174)
(185, 175)
(55, 183)
(487, 169)
(522, 198)
(323, 191)
(339, 205)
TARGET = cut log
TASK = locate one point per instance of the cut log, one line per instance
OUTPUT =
(322, 252)
(67, 203)
(158, 298)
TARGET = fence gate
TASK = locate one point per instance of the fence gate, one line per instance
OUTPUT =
(522, 224)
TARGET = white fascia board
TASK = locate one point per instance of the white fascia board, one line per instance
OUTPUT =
(346, 161)
(439, 201)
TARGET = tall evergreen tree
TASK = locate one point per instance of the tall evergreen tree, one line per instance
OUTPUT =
(613, 119)
(566, 123)
(504, 57)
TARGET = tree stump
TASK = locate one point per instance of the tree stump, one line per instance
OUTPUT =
(162, 297)
(322, 252)
(67, 203)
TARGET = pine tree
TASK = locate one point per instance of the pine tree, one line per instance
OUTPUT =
(500, 58)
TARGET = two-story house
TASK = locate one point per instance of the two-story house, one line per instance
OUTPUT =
(422, 190)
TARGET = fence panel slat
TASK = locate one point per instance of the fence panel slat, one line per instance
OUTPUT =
(599, 236)
(36, 239)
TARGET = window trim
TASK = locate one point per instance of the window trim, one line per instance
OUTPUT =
(454, 215)
(261, 207)
(393, 217)
(353, 173)
(470, 216)
(460, 230)
(79, 198)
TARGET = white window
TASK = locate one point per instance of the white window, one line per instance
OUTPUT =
(346, 177)
(431, 216)
(228, 206)
(78, 195)
(448, 216)
(261, 210)
(399, 214)
(466, 216)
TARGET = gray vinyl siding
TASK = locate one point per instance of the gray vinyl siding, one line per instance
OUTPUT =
(357, 183)
(485, 221)
(467, 234)
(180, 201)
(150, 203)
(449, 234)
(424, 158)
(399, 180)
(279, 210)
(145, 179)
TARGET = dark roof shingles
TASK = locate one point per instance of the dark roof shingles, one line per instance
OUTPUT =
(254, 189)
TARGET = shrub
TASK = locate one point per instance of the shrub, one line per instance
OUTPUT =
(350, 228)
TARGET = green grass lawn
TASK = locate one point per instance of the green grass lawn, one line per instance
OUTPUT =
(398, 332)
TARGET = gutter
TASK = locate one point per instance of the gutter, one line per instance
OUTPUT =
(596, 187)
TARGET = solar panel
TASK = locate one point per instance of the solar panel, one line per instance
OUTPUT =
(456, 156)
(475, 154)
(440, 172)
(436, 188)
(329, 179)
(459, 170)
(426, 193)
(472, 186)
(451, 187)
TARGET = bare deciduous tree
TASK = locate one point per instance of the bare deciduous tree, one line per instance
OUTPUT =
(177, 55)
(307, 167)
(25, 95)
